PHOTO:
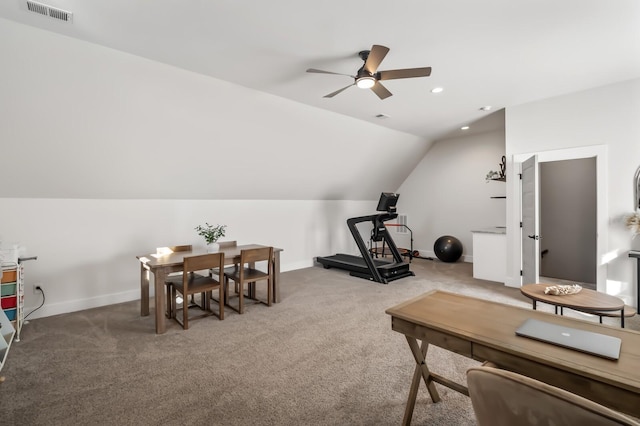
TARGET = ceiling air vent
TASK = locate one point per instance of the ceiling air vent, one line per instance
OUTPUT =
(52, 12)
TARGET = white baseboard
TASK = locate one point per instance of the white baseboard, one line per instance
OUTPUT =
(50, 309)
(515, 282)
(430, 253)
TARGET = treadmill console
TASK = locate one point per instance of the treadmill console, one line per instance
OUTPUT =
(387, 202)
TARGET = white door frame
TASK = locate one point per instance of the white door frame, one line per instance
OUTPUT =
(602, 214)
(530, 219)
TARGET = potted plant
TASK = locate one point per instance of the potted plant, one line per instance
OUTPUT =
(211, 235)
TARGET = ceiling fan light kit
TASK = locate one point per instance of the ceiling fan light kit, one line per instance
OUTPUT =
(365, 82)
(368, 77)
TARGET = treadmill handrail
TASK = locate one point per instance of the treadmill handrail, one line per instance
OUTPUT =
(377, 220)
(351, 223)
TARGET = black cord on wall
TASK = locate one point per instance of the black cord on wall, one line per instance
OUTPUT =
(41, 305)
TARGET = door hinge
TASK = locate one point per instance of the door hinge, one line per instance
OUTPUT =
(520, 224)
(520, 272)
(520, 176)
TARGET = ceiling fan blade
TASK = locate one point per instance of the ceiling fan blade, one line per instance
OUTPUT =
(376, 55)
(404, 73)
(332, 94)
(313, 70)
(381, 91)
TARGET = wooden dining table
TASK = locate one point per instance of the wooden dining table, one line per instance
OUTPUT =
(162, 264)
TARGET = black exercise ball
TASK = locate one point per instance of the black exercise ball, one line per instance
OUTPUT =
(448, 248)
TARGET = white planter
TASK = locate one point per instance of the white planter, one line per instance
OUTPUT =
(213, 247)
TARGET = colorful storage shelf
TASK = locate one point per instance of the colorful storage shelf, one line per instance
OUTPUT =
(9, 302)
(11, 298)
(7, 289)
(11, 294)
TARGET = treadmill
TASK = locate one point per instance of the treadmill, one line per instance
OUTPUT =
(365, 266)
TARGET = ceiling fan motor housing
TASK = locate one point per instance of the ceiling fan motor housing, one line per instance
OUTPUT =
(364, 54)
(362, 73)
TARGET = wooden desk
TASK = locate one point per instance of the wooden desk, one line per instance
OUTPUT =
(162, 265)
(485, 331)
(585, 301)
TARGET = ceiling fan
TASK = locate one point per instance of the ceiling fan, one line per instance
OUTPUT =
(368, 76)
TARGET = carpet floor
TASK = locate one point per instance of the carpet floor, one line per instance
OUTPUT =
(324, 355)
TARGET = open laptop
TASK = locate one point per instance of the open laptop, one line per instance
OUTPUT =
(571, 338)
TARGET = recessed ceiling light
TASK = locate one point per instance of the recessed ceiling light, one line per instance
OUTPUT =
(464, 128)
(437, 90)
(486, 108)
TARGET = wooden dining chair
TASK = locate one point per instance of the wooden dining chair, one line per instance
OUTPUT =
(192, 284)
(246, 272)
(504, 398)
(216, 272)
(223, 245)
(171, 278)
(228, 244)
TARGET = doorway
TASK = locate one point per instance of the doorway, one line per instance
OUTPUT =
(598, 154)
(568, 220)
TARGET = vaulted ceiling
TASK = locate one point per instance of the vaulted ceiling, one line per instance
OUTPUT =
(496, 53)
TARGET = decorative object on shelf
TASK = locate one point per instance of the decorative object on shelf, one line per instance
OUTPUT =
(492, 175)
(561, 290)
(211, 235)
(633, 223)
(501, 175)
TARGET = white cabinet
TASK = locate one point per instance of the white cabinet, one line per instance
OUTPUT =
(490, 254)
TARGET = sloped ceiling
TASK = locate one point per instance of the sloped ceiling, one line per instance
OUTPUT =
(494, 52)
(116, 102)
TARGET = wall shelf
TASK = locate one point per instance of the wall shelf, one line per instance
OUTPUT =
(502, 178)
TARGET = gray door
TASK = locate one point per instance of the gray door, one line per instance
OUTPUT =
(568, 220)
(530, 222)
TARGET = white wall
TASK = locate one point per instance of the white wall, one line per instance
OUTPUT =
(605, 116)
(446, 194)
(80, 120)
(106, 156)
(87, 248)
